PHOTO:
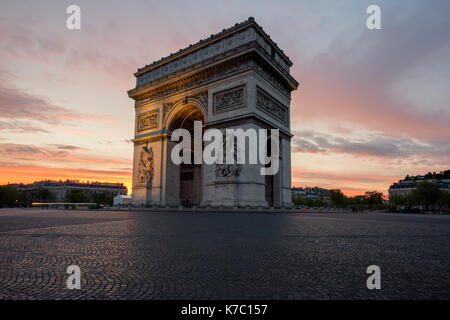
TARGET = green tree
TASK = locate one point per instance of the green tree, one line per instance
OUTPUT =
(358, 200)
(444, 200)
(103, 198)
(9, 196)
(426, 194)
(76, 196)
(337, 197)
(43, 195)
(373, 198)
(24, 199)
(298, 201)
(308, 202)
(397, 200)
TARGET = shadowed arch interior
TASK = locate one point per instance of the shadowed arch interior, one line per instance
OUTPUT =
(190, 174)
(185, 118)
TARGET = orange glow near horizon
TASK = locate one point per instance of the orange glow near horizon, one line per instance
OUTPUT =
(30, 174)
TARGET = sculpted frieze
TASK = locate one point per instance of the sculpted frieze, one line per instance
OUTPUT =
(145, 167)
(269, 105)
(148, 120)
(229, 99)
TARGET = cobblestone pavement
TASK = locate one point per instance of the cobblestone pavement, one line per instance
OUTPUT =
(185, 255)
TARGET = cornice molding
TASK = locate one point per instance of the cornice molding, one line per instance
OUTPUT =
(250, 23)
(249, 60)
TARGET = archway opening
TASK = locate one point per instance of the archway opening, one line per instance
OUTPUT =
(190, 175)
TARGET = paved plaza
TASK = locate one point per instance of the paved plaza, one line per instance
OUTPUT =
(222, 255)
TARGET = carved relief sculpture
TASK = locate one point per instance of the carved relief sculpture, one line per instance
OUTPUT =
(202, 97)
(167, 106)
(148, 120)
(228, 170)
(271, 106)
(229, 99)
(146, 165)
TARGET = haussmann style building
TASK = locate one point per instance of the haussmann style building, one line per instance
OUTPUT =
(60, 189)
(238, 78)
(405, 187)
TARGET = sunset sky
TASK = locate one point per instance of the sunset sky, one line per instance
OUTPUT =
(372, 105)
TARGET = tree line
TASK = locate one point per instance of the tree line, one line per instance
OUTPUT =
(425, 197)
(11, 197)
(371, 200)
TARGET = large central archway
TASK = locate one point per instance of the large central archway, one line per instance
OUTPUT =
(188, 177)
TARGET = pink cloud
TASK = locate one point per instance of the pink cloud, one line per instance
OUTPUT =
(18, 104)
(53, 153)
(353, 81)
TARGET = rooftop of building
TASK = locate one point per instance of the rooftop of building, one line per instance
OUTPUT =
(442, 179)
(71, 183)
(310, 190)
(430, 175)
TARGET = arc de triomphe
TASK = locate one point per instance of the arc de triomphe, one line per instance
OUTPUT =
(238, 78)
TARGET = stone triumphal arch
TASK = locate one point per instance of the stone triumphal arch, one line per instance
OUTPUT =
(238, 78)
